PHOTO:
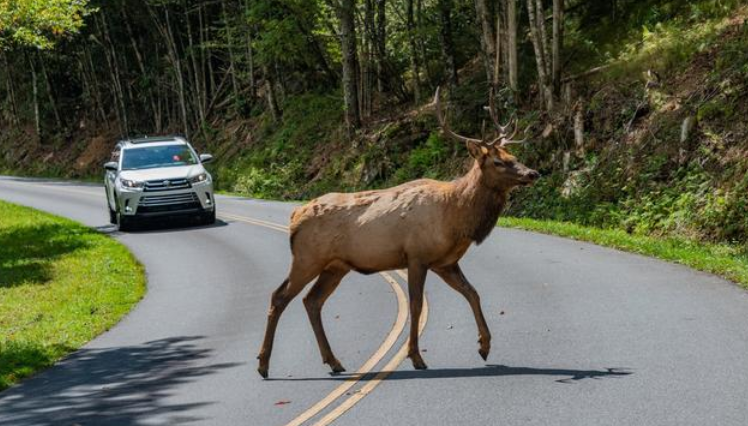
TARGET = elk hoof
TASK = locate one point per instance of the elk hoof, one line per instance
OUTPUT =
(336, 367)
(485, 348)
(263, 371)
(418, 363)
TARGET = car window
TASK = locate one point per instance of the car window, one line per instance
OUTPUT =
(115, 155)
(157, 156)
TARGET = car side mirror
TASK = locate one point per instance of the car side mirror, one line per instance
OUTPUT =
(112, 165)
(206, 158)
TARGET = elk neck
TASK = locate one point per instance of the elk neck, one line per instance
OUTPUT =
(478, 205)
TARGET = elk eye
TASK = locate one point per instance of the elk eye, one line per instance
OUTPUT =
(497, 162)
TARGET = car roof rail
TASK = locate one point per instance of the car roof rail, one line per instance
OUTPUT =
(152, 139)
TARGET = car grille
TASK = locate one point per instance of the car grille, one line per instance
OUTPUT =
(168, 202)
(166, 185)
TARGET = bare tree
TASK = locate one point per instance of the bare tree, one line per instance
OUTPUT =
(448, 48)
(511, 44)
(414, 62)
(488, 37)
(345, 10)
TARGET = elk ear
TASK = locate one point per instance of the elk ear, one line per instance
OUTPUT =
(476, 151)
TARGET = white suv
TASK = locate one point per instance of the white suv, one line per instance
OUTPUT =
(153, 177)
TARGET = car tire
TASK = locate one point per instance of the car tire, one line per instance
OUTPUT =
(112, 216)
(124, 223)
(209, 218)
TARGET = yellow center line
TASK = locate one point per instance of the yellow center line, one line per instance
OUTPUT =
(397, 328)
(379, 377)
(389, 341)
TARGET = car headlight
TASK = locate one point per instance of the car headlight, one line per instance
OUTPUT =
(202, 177)
(131, 183)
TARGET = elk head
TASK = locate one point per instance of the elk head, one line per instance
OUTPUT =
(499, 168)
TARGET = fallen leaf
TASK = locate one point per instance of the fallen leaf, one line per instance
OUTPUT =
(282, 402)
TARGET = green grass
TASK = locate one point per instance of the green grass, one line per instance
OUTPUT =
(61, 284)
(727, 261)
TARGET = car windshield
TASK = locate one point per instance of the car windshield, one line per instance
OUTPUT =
(157, 156)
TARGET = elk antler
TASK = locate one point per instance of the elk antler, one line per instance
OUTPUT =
(504, 138)
(504, 141)
(492, 112)
(445, 125)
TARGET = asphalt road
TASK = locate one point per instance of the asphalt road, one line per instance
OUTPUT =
(582, 335)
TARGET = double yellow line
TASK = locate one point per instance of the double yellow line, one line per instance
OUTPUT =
(394, 334)
(397, 328)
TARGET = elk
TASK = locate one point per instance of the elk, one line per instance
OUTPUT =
(420, 225)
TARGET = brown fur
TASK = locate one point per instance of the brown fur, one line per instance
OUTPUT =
(420, 225)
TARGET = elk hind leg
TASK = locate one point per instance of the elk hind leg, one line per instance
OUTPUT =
(297, 279)
(454, 277)
(416, 282)
(314, 301)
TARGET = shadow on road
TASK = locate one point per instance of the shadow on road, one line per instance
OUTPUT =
(26, 252)
(113, 386)
(490, 370)
(155, 226)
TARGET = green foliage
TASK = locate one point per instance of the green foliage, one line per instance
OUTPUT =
(61, 284)
(424, 160)
(279, 165)
(39, 23)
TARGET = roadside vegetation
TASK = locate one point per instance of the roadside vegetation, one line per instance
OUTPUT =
(730, 262)
(647, 134)
(61, 284)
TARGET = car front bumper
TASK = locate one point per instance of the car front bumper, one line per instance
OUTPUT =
(194, 200)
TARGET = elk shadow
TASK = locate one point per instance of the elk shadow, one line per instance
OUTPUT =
(490, 370)
(125, 385)
(26, 252)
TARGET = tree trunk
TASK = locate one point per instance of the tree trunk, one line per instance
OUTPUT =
(11, 90)
(558, 45)
(230, 48)
(488, 38)
(35, 98)
(538, 40)
(413, 52)
(250, 56)
(275, 112)
(511, 45)
(176, 62)
(422, 45)
(111, 57)
(381, 46)
(50, 94)
(448, 48)
(141, 64)
(369, 68)
(579, 129)
(95, 85)
(199, 94)
(345, 11)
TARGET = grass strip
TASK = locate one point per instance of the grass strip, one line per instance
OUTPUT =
(727, 261)
(61, 284)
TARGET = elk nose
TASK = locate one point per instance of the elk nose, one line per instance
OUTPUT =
(533, 175)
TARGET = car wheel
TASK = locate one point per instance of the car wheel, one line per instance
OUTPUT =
(112, 216)
(124, 223)
(209, 218)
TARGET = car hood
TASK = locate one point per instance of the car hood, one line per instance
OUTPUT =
(163, 173)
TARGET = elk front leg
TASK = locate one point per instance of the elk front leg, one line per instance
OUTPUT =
(282, 296)
(454, 277)
(314, 301)
(416, 282)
